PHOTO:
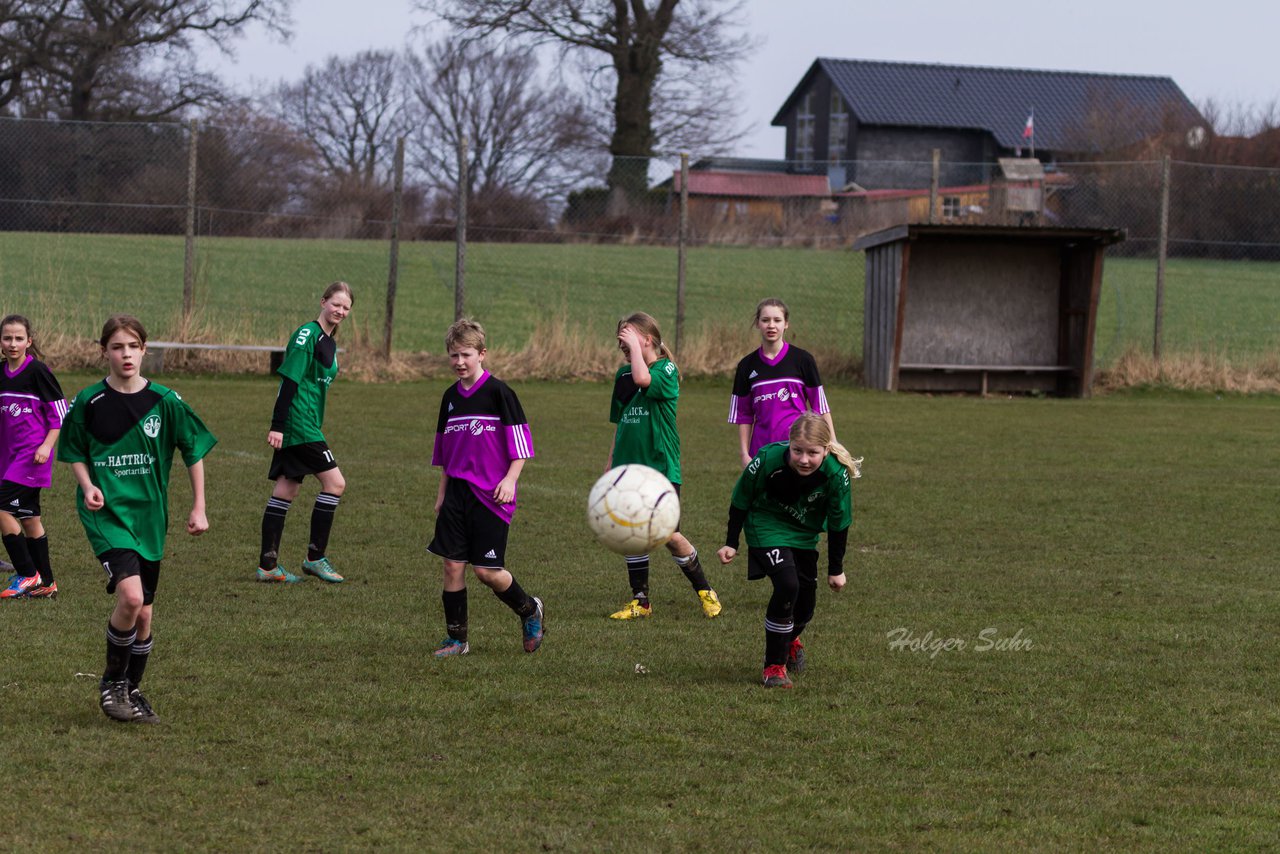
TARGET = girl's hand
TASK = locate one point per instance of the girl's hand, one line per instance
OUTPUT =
(505, 492)
(197, 523)
(727, 554)
(629, 339)
(42, 454)
(439, 501)
(836, 582)
(93, 499)
(275, 439)
(746, 459)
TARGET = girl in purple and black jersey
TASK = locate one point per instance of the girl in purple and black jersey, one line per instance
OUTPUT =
(482, 442)
(32, 407)
(774, 385)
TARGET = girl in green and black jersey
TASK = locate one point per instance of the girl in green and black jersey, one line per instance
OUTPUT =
(310, 365)
(645, 391)
(119, 437)
(788, 494)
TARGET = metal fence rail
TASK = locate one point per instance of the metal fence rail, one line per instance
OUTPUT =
(179, 218)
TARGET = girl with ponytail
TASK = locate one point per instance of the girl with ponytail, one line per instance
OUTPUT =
(786, 497)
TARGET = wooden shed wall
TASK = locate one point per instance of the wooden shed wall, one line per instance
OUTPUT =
(880, 314)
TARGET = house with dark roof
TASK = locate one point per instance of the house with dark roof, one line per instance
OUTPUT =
(876, 124)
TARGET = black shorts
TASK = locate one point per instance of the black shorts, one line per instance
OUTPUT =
(467, 531)
(297, 461)
(18, 500)
(120, 564)
(767, 560)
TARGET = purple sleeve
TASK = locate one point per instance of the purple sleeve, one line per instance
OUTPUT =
(740, 409)
(55, 411)
(817, 399)
(519, 442)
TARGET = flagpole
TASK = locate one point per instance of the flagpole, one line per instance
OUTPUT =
(1033, 133)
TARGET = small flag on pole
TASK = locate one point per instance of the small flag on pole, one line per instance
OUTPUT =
(1030, 130)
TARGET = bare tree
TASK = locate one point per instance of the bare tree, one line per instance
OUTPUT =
(84, 59)
(526, 140)
(351, 111)
(646, 48)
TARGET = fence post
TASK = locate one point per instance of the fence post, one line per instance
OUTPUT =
(189, 258)
(460, 237)
(393, 267)
(681, 247)
(1162, 253)
(933, 185)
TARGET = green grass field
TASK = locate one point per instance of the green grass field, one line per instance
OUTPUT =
(1130, 540)
(259, 290)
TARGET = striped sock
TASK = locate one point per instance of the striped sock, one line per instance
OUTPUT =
(321, 524)
(272, 530)
(638, 575)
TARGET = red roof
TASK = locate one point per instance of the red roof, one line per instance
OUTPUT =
(755, 184)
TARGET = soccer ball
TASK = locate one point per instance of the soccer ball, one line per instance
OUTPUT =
(633, 509)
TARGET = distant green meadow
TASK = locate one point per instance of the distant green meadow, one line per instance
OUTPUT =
(258, 290)
(1058, 633)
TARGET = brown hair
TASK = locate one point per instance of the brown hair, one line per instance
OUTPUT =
(646, 325)
(339, 286)
(465, 332)
(127, 322)
(25, 324)
(813, 429)
(776, 303)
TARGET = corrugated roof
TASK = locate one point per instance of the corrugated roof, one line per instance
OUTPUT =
(754, 184)
(905, 94)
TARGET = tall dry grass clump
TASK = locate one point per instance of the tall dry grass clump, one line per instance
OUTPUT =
(1196, 371)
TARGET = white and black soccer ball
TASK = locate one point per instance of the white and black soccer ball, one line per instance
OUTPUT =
(633, 509)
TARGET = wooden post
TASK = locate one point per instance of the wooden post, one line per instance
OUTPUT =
(393, 267)
(189, 258)
(933, 185)
(681, 248)
(460, 236)
(1162, 253)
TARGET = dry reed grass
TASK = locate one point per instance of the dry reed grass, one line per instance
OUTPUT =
(1195, 371)
(556, 350)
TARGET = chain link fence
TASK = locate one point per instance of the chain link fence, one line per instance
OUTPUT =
(228, 234)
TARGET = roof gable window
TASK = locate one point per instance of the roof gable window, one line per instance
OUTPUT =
(804, 129)
(838, 130)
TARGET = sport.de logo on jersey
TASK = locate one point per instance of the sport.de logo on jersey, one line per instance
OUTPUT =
(151, 426)
(17, 410)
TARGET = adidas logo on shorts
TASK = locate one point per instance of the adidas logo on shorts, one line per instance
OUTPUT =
(491, 554)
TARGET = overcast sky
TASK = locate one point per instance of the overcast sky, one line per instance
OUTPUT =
(1222, 50)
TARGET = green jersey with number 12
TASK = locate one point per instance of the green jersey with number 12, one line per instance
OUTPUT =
(785, 509)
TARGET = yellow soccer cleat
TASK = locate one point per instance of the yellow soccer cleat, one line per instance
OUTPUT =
(633, 610)
(710, 603)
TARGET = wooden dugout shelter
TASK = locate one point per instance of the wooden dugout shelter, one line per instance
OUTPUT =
(982, 308)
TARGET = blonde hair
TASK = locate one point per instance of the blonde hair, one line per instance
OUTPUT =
(813, 429)
(775, 303)
(465, 332)
(335, 287)
(646, 325)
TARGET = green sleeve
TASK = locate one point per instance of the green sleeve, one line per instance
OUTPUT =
(73, 445)
(840, 506)
(664, 381)
(297, 354)
(748, 485)
(192, 438)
